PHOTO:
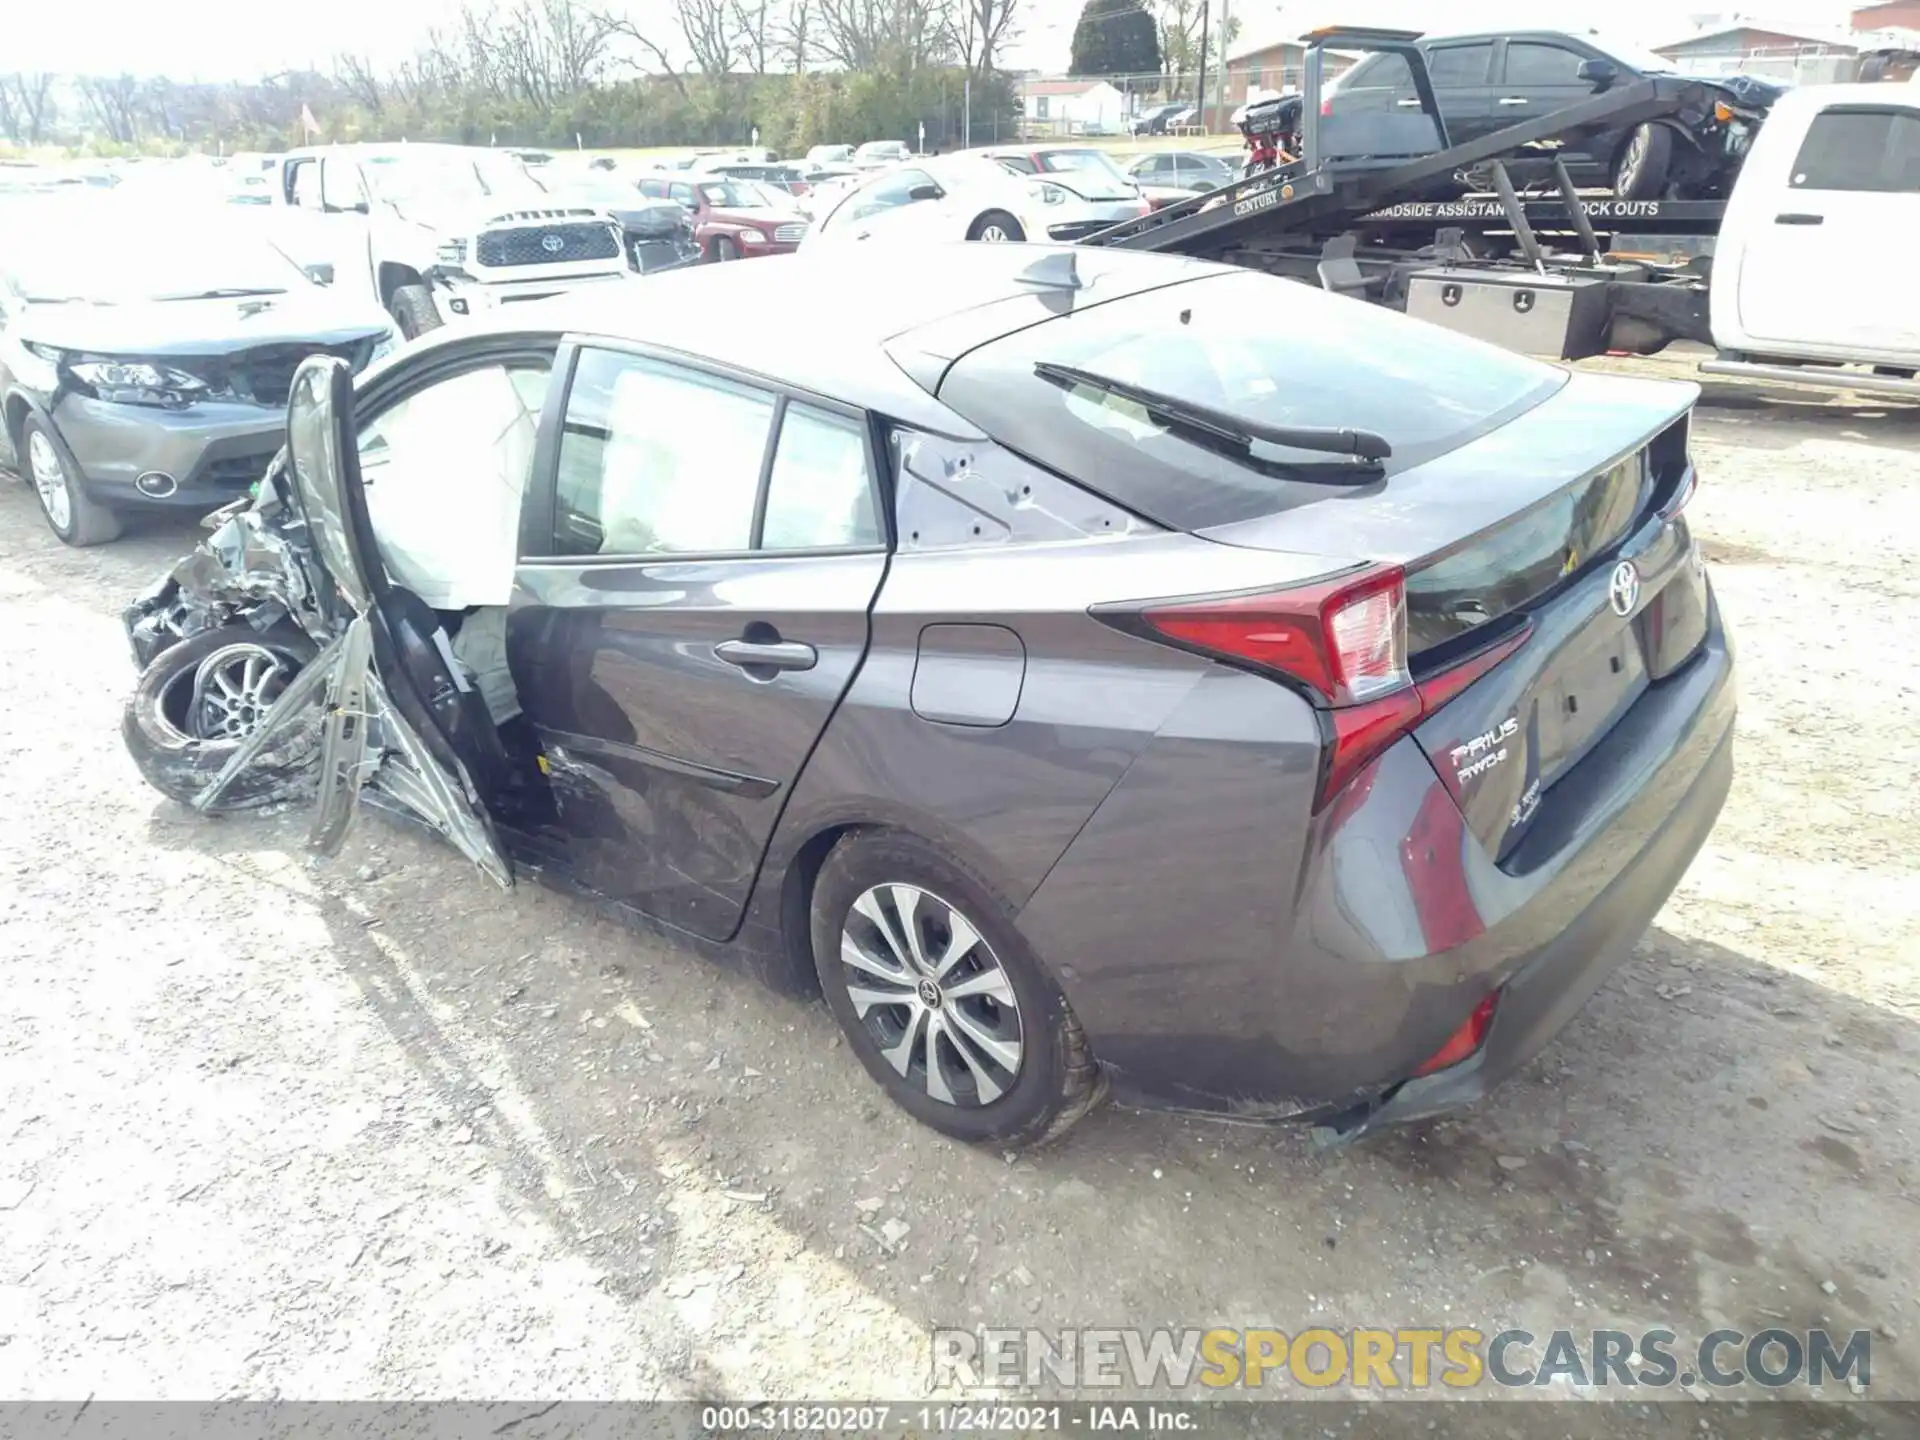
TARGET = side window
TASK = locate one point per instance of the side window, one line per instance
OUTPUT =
(341, 187)
(1870, 150)
(657, 459)
(445, 468)
(1021, 163)
(1385, 72)
(303, 183)
(820, 494)
(683, 192)
(888, 194)
(1542, 65)
(1457, 67)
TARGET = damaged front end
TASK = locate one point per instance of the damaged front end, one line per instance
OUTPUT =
(301, 554)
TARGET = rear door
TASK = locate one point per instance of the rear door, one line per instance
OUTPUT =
(691, 605)
(1820, 264)
(1462, 74)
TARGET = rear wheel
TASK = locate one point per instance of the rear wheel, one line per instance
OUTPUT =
(197, 701)
(941, 997)
(413, 310)
(1640, 170)
(996, 227)
(73, 515)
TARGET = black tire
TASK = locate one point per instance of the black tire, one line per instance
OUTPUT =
(1009, 228)
(88, 522)
(724, 249)
(1645, 160)
(413, 310)
(1057, 1081)
(178, 764)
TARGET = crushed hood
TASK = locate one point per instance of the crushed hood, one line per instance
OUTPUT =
(203, 327)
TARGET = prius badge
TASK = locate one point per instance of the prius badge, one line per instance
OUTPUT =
(1623, 589)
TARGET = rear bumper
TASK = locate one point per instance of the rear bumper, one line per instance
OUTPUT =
(208, 453)
(1263, 963)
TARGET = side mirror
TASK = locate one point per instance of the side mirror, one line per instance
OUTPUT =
(321, 273)
(924, 192)
(1598, 73)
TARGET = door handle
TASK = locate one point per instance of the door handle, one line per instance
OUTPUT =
(1514, 100)
(1798, 219)
(767, 654)
(1408, 104)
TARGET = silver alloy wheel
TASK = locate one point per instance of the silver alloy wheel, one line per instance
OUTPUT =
(50, 481)
(1636, 155)
(233, 688)
(932, 995)
(994, 233)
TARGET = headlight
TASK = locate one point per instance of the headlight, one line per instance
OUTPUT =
(1053, 195)
(383, 347)
(752, 237)
(138, 382)
(452, 252)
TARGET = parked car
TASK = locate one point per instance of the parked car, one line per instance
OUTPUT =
(659, 232)
(442, 231)
(962, 197)
(825, 155)
(154, 376)
(1096, 666)
(1087, 172)
(732, 219)
(1485, 82)
(1158, 119)
(1190, 170)
(876, 153)
(790, 178)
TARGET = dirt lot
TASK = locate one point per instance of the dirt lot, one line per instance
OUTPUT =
(374, 1128)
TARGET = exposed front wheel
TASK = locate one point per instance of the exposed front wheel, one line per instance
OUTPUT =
(996, 227)
(724, 249)
(413, 310)
(73, 515)
(1641, 169)
(198, 700)
(941, 997)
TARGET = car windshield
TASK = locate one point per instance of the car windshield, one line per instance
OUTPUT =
(1631, 56)
(91, 262)
(592, 190)
(1081, 162)
(1249, 345)
(733, 195)
(430, 177)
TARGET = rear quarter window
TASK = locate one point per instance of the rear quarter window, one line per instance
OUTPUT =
(1257, 347)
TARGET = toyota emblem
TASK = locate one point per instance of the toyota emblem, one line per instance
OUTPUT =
(1623, 589)
(553, 244)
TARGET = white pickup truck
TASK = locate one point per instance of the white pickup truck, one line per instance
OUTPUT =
(1807, 273)
(439, 231)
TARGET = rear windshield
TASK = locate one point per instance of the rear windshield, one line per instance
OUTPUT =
(1254, 346)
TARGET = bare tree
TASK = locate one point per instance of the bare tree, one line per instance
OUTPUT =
(355, 75)
(38, 111)
(625, 27)
(757, 33)
(707, 27)
(114, 103)
(979, 29)
(893, 35)
(10, 125)
(796, 35)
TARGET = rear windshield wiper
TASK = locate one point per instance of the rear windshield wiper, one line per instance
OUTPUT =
(1236, 436)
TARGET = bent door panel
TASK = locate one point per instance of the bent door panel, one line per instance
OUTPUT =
(703, 612)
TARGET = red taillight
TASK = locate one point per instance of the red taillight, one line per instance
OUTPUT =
(1464, 1041)
(1345, 641)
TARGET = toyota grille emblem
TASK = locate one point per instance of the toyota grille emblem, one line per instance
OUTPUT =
(1623, 589)
(553, 244)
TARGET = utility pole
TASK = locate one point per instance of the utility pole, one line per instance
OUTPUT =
(1200, 92)
(1226, 39)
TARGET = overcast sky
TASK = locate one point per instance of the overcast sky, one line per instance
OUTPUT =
(222, 39)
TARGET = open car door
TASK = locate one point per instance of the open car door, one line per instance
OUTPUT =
(398, 712)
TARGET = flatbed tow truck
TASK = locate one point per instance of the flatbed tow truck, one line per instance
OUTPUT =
(1382, 207)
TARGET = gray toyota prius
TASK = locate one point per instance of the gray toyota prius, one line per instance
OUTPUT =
(1085, 670)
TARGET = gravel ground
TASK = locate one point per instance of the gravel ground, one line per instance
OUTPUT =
(371, 1127)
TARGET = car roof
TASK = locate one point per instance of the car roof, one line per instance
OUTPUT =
(838, 310)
